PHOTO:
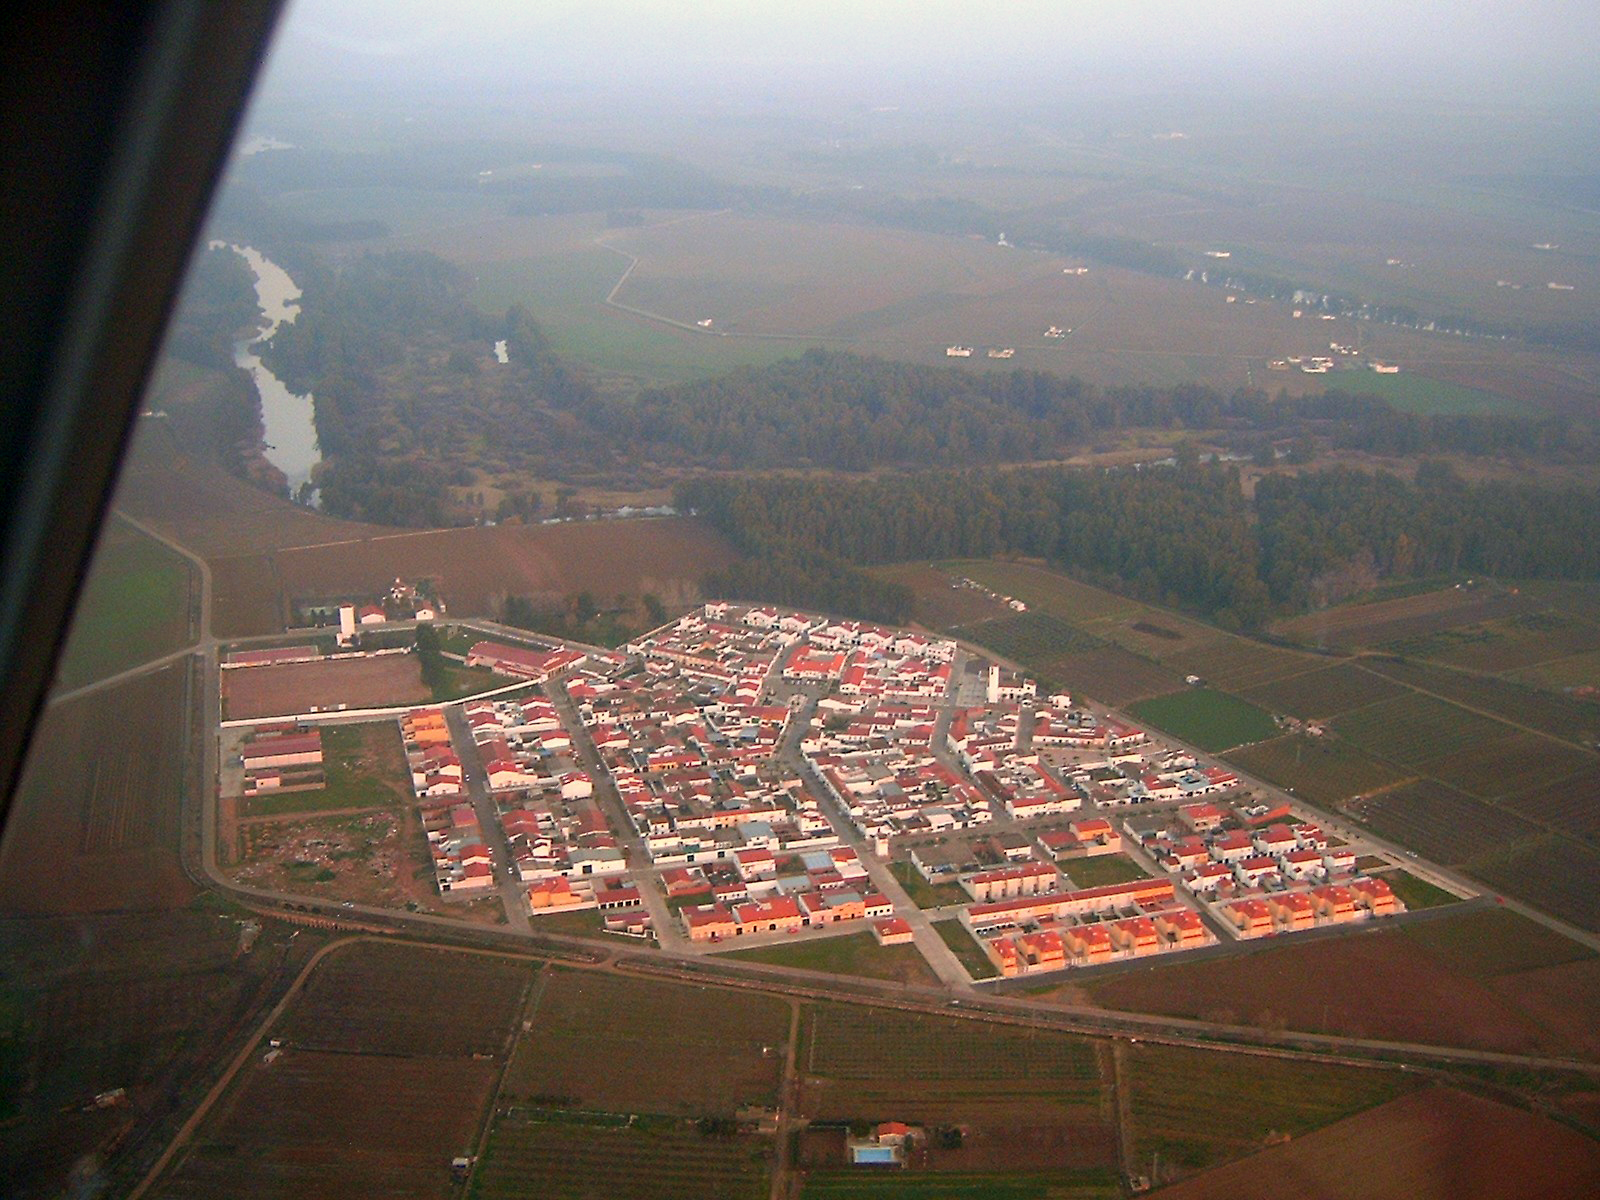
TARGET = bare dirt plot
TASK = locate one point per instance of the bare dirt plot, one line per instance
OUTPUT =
(1433, 1145)
(939, 603)
(95, 824)
(477, 567)
(1379, 985)
(555, 1155)
(1323, 770)
(617, 1044)
(314, 1123)
(1564, 998)
(211, 512)
(1197, 1108)
(374, 858)
(372, 998)
(1494, 943)
(1323, 692)
(292, 688)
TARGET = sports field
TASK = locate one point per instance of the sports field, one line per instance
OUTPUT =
(289, 689)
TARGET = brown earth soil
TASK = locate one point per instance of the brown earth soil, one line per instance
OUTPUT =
(292, 688)
(1433, 1145)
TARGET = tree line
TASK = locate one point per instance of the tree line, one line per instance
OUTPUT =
(1184, 535)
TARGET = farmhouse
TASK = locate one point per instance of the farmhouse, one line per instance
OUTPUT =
(300, 749)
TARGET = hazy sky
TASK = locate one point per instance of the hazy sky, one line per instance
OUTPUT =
(725, 48)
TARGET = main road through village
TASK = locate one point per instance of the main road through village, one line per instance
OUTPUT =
(953, 996)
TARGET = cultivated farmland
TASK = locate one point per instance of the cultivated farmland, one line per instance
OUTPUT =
(1413, 729)
(1324, 692)
(1026, 1100)
(313, 1123)
(1442, 823)
(373, 998)
(1572, 803)
(1034, 637)
(616, 1044)
(1420, 615)
(1437, 1144)
(135, 606)
(1113, 676)
(564, 1156)
(95, 824)
(1208, 719)
(1551, 872)
(1563, 716)
(1196, 1108)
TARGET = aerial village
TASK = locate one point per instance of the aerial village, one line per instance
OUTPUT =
(748, 774)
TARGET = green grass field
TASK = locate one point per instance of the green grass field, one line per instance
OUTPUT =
(1419, 394)
(1101, 869)
(134, 607)
(924, 894)
(966, 948)
(1205, 718)
(849, 954)
(1417, 893)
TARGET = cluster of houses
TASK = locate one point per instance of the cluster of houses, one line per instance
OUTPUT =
(282, 757)
(1264, 873)
(561, 845)
(763, 892)
(1029, 923)
(461, 860)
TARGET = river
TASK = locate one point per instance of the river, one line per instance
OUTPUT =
(290, 431)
